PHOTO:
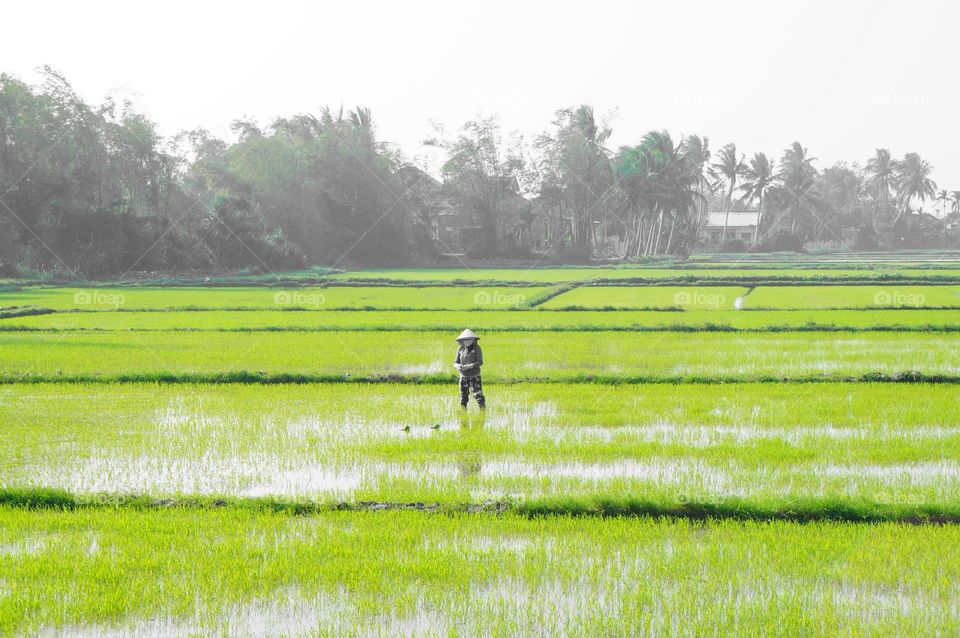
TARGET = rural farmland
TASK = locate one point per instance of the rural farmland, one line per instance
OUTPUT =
(766, 454)
(479, 319)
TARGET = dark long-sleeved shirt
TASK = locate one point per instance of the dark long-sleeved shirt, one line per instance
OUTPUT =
(470, 360)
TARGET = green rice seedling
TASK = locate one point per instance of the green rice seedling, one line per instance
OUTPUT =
(811, 272)
(234, 571)
(496, 320)
(648, 297)
(872, 450)
(886, 296)
(247, 298)
(512, 356)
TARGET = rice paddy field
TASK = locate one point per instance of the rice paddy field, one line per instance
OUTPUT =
(899, 320)
(767, 447)
(720, 271)
(237, 572)
(520, 357)
(708, 448)
(825, 297)
(250, 298)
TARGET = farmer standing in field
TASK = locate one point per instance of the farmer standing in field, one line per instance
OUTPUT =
(468, 362)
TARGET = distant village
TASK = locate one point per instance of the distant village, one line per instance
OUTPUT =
(115, 197)
(528, 225)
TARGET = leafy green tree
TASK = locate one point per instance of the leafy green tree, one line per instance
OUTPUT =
(9, 260)
(93, 190)
(844, 209)
(69, 167)
(324, 180)
(480, 175)
(575, 175)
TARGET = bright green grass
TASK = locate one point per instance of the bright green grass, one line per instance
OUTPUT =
(443, 298)
(763, 297)
(689, 298)
(455, 320)
(899, 258)
(236, 572)
(706, 273)
(647, 297)
(508, 355)
(765, 446)
(841, 450)
(804, 297)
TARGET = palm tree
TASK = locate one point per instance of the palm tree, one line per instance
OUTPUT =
(943, 197)
(661, 157)
(729, 168)
(955, 198)
(759, 177)
(881, 169)
(913, 180)
(696, 152)
(635, 176)
(587, 123)
(797, 177)
(657, 179)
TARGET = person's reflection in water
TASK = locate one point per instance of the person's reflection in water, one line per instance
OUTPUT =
(469, 462)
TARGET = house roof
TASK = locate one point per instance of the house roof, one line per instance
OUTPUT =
(737, 218)
(412, 175)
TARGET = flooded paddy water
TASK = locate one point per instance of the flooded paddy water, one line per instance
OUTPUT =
(329, 444)
(214, 508)
(337, 574)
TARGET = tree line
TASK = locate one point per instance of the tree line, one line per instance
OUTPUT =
(93, 190)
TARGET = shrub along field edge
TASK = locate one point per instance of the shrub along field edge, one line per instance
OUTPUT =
(797, 510)
(243, 376)
(708, 327)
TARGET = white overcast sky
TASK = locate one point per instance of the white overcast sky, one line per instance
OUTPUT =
(843, 77)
